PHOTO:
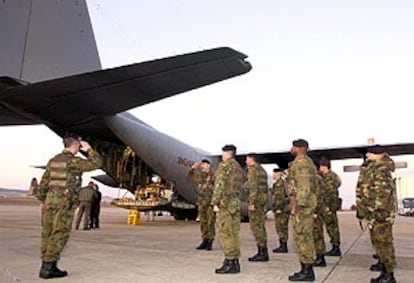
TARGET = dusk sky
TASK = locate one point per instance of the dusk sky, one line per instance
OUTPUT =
(332, 72)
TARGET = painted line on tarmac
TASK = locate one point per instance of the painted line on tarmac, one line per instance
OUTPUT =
(345, 253)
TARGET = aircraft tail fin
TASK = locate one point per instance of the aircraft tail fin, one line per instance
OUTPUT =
(78, 99)
(43, 40)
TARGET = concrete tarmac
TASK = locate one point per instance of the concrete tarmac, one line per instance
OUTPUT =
(164, 251)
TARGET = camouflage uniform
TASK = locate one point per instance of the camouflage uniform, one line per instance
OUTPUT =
(86, 196)
(58, 190)
(318, 234)
(301, 184)
(257, 188)
(332, 182)
(281, 209)
(226, 196)
(376, 203)
(205, 187)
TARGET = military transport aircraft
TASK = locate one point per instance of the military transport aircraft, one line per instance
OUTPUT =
(50, 74)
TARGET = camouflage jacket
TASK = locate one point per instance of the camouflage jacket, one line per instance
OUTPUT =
(205, 183)
(376, 193)
(227, 186)
(302, 182)
(321, 195)
(257, 185)
(332, 183)
(63, 173)
(280, 196)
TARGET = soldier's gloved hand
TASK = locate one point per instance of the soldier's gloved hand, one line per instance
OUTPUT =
(84, 146)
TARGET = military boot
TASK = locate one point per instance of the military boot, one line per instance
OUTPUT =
(57, 272)
(282, 248)
(379, 266)
(320, 261)
(46, 270)
(375, 256)
(262, 254)
(209, 245)
(300, 271)
(237, 264)
(306, 274)
(229, 266)
(384, 277)
(335, 251)
(202, 245)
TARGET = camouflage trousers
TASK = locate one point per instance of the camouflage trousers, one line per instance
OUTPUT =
(56, 226)
(382, 240)
(282, 225)
(257, 219)
(332, 227)
(318, 235)
(207, 219)
(303, 236)
(228, 230)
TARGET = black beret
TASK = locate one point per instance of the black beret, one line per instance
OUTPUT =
(325, 162)
(205, 161)
(376, 149)
(276, 170)
(300, 143)
(229, 147)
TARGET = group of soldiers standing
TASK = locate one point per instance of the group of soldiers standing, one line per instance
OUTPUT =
(303, 194)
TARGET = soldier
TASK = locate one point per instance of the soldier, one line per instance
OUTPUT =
(376, 203)
(318, 235)
(302, 186)
(226, 201)
(281, 209)
(257, 190)
(58, 193)
(332, 182)
(96, 208)
(202, 174)
(86, 195)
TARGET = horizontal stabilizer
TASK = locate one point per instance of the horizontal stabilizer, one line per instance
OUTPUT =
(78, 99)
(282, 159)
(106, 180)
(355, 168)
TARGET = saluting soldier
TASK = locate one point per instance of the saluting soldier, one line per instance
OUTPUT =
(58, 193)
(376, 203)
(302, 186)
(318, 234)
(226, 201)
(281, 209)
(257, 190)
(332, 182)
(202, 174)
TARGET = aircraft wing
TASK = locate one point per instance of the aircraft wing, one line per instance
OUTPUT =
(282, 159)
(77, 99)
